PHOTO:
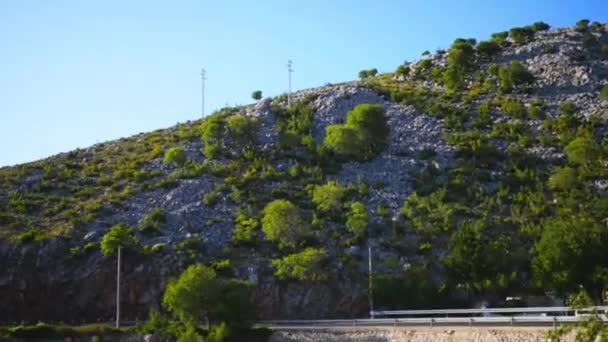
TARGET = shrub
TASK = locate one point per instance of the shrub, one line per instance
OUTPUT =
(32, 235)
(522, 35)
(151, 224)
(246, 228)
(540, 26)
(582, 25)
(328, 197)
(589, 40)
(368, 73)
(563, 178)
(604, 93)
(403, 70)
(118, 236)
(570, 252)
(243, 129)
(357, 220)
(500, 37)
(582, 150)
(282, 223)
(488, 48)
(537, 110)
(363, 136)
(193, 295)
(514, 108)
(567, 108)
(212, 151)
(256, 95)
(513, 76)
(304, 266)
(175, 156)
(212, 129)
(371, 121)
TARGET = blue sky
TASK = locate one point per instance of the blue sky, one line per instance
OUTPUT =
(74, 73)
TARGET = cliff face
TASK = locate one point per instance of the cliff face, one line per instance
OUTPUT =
(54, 212)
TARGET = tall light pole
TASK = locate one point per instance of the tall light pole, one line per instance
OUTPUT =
(289, 71)
(118, 290)
(371, 292)
(203, 78)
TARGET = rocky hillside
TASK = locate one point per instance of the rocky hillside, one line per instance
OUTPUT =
(474, 173)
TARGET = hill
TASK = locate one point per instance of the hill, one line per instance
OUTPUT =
(473, 174)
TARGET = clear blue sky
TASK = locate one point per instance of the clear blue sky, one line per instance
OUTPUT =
(73, 73)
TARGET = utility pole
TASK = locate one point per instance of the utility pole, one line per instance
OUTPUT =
(203, 78)
(371, 292)
(118, 290)
(289, 71)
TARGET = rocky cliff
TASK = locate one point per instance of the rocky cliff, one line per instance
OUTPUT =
(471, 135)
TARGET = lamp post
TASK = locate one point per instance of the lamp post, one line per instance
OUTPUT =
(118, 290)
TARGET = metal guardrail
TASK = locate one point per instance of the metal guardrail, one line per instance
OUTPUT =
(545, 309)
(541, 317)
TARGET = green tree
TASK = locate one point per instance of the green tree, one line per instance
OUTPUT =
(357, 220)
(582, 25)
(563, 178)
(344, 141)
(256, 95)
(307, 265)
(604, 93)
(212, 129)
(522, 35)
(488, 49)
(370, 119)
(513, 76)
(243, 129)
(540, 26)
(328, 197)
(175, 155)
(194, 295)
(235, 307)
(119, 235)
(500, 37)
(282, 223)
(403, 70)
(571, 252)
(582, 150)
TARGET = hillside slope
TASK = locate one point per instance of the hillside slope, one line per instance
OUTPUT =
(490, 182)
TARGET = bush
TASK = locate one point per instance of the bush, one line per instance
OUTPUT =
(514, 108)
(540, 26)
(212, 129)
(304, 266)
(488, 49)
(582, 150)
(500, 37)
(567, 108)
(282, 223)
(212, 151)
(328, 197)
(537, 110)
(582, 25)
(193, 295)
(175, 156)
(256, 95)
(246, 228)
(243, 129)
(563, 178)
(513, 76)
(363, 136)
(152, 223)
(119, 235)
(604, 93)
(570, 253)
(522, 35)
(403, 70)
(32, 235)
(357, 220)
(368, 73)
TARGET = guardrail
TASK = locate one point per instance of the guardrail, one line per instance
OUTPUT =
(481, 311)
(534, 316)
